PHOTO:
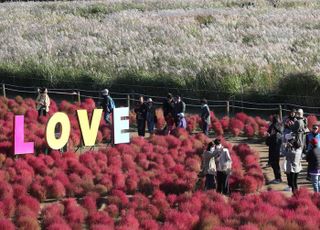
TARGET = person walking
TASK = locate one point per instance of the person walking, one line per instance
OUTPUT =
(209, 167)
(42, 102)
(150, 116)
(108, 105)
(274, 142)
(223, 165)
(313, 159)
(314, 134)
(205, 116)
(179, 107)
(168, 113)
(141, 113)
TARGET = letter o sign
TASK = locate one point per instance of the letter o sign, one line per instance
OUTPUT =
(52, 141)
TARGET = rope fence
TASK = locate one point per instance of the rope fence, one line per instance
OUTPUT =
(129, 98)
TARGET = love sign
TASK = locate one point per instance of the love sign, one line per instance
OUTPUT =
(89, 130)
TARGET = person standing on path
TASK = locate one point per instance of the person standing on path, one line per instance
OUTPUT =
(108, 105)
(205, 116)
(168, 113)
(294, 152)
(43, 102)
(274, 142)
(223, 165)
(179, 107)
(309, 147)
(141, 113)
(209, 167)
(150, 116)
(313, 159)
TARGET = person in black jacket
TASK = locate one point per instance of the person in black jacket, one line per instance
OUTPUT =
(141, 113)
(151, 116)
(179, 108)
(274, 142)
(205, 116)
(313, 158)
(168, 113)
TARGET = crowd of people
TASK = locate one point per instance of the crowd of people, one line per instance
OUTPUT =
(292, 139)
(289, 138)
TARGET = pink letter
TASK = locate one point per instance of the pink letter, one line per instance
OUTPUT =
(21, 147)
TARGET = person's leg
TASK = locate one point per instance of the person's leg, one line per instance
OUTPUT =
(141, 127)
(107, 118)
(289, 179)
(39, 113)
(315, 182)
(44, 112)
(205, 128)
(225, 184)
(318, 183)
(210, 182)
(294, 181)
(219, 182)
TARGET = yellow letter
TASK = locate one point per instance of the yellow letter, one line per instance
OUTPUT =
(53, 142)
(89, 132)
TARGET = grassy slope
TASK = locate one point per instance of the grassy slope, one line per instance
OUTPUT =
(191, 44)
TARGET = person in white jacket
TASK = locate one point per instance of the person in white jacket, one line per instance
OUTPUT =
(223, 166)
(209, 167)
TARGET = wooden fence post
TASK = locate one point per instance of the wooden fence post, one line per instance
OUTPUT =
(280, 112)
(128, 101)
(228, 108)
(4, 90)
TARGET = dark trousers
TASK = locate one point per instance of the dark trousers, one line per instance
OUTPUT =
(205, 128)
(141, 127)
(292, 181)
(210, 182)
(276, 169)
(42, 112)
(222, 182)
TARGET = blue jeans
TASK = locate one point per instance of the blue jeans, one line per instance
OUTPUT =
(150, 125)
(107, 117)
(315, 182)
(205, 128)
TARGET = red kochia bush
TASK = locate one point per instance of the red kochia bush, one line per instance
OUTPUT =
(6, 225)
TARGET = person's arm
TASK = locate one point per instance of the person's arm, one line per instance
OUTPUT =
(183, 107)
(47, 100)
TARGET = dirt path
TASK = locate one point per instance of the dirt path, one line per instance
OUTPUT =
(262, 149)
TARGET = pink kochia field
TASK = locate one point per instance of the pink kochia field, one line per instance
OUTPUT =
(147, 184)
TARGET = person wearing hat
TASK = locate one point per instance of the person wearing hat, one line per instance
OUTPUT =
(42, 102)
(151, 116)
(108, 105)
(314, 134)
(313, 159)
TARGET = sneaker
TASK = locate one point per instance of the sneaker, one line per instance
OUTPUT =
(287, 189)
(276, 181)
